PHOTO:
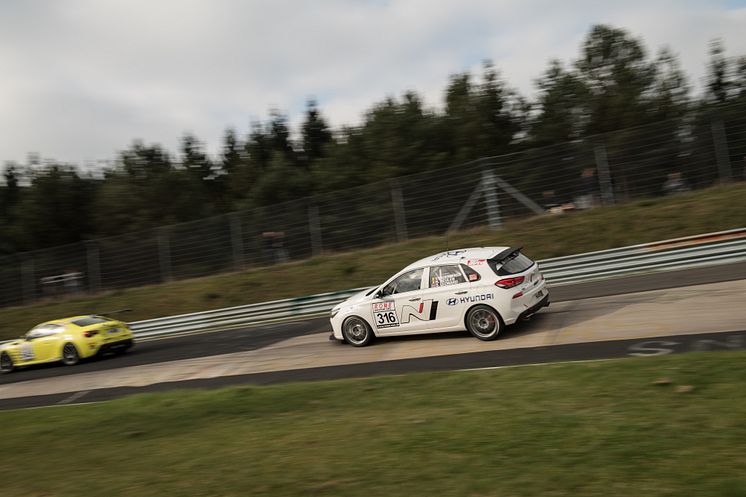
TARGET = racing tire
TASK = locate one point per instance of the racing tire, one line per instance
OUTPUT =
(356, 331)
(484, 323)
(6, 363)
(70, 356)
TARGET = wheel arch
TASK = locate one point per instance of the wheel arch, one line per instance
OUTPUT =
(372, 328)
(482, 304)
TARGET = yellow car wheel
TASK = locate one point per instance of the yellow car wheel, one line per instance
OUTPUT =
(6, 363)
(70, 356)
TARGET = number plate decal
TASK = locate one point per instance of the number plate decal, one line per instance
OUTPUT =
(384, 315)
(27, 352)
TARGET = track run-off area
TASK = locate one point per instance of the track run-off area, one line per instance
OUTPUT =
(648, 315)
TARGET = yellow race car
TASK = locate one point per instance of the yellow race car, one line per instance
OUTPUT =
(68, 340)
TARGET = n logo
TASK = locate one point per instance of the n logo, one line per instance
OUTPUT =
(426, 311)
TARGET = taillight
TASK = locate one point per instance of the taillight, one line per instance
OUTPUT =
(510, 282)
(90, 333)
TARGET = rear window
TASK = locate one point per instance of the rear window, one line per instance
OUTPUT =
(517, 263)
(88, 321)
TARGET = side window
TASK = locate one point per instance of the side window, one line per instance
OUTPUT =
(407, 282)
(446, 276)
(471, 274)
(43, 331)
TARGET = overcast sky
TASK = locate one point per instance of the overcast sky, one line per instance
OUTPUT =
(80, 79)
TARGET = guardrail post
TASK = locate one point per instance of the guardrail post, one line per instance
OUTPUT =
(400, 221)
(234, 219)
(28, 279)
(314, 226)
(164, 254)
(489, 188)
(604, 176)
(94, 266)
(721, 149)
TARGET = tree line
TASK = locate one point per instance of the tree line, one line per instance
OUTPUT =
(614, 84)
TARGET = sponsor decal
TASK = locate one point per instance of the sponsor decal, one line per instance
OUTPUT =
(450, 253)
(477, 298)
(383, 306)
(475, 262)
(473, 277)
(444, 280)
(471, 298)
(427, 310)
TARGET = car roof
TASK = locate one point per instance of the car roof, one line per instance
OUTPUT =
(64, 321)
(457, 256)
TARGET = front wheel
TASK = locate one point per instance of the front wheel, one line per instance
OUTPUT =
(356, 331)
(6, 363)
(483, 322)
(70, 356)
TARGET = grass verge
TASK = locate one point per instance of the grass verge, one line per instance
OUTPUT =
(585, 429)
(643, 221)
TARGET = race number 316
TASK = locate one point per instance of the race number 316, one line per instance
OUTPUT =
(386, 319)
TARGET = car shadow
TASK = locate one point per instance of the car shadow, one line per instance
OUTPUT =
(556, 317)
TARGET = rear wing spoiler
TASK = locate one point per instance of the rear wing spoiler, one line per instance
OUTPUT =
(501, 258)
(120, 311)
(506, 254)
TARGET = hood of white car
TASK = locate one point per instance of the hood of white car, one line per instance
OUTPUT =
(355, 299)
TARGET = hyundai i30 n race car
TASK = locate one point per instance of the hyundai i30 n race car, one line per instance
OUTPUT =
(68, 340)
(482, 290)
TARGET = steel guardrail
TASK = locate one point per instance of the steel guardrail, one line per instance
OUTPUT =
(724, 247)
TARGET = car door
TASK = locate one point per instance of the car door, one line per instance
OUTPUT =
(392, 310)
(448, 289)
(41, 344)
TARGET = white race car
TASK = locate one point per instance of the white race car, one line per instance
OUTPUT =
(480, 289)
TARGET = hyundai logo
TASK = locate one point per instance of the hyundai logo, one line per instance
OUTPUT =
(452, 301)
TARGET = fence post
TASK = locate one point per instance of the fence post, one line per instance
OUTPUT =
(314, 226)
(604, 176)
(234, 220)
(489, 188)
(94, 266)
(400, 221)
(721, 148)
(28, 279)
(164, 254)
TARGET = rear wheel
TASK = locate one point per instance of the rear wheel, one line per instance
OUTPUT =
(356, 331)
(484, 322)
(70, 356)
(6, 363)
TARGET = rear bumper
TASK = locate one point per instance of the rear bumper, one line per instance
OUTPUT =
(534, 309)
(119, 346)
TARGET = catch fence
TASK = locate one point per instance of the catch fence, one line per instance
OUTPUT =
(661, 159)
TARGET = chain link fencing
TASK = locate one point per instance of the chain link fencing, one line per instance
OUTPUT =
(664, 158)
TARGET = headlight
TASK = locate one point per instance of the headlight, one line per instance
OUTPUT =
(334, 312)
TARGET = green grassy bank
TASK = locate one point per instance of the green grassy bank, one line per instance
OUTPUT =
(543, 236)
(664, 426)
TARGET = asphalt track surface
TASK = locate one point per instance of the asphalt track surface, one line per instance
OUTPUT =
(258, 337)
(477, 360)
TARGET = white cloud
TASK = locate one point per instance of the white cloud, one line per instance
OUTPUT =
(81, 78)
